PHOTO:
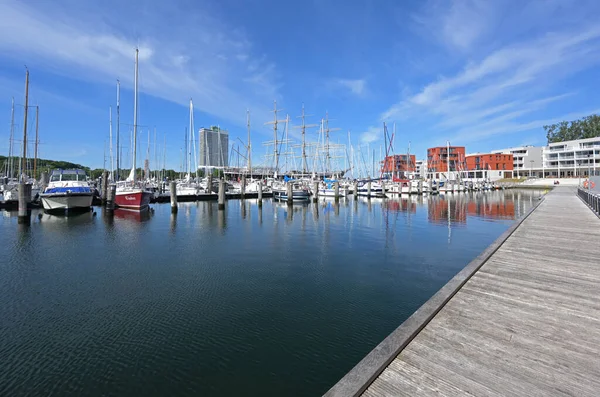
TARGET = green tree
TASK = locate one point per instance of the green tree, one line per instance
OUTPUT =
(587, 127)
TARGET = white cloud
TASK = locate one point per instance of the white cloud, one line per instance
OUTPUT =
(504, 89)
(357, 87)
(372, 134)
(195, 57)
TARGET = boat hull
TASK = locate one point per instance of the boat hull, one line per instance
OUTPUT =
(132, 199)
(67, 202)
(297, 195)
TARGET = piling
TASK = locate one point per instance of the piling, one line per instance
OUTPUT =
(173, 186)
(383, 188)
(44, 181)
(221, 194)
(24, 199)
(260, 188)
(104, 186)
(336, 190)
(110, 198)
(209, 186)
(355, 190)
(316, 191)
(369, 190)
(243, 186)
(290, 194)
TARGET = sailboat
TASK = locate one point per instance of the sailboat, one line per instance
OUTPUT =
(130, 193)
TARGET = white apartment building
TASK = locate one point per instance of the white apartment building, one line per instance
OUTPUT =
(527, 160)
(421, 168)
(578, 158)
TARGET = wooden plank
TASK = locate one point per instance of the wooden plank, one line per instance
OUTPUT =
(526, 323)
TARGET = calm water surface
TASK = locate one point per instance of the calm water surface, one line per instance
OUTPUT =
(248, 301)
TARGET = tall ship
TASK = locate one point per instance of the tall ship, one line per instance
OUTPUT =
(67, 190)
(131, 193)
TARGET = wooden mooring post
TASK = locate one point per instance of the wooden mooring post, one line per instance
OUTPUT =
(355, 190)
(24, 192)
(336, 190)
(221, 194)
(316, 191)
(290, 193)
(173, 191)
(260, 192)
(104, 186)
(110, 199)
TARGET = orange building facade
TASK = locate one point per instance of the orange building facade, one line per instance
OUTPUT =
(438, 158)
(399, 165)
(491, 162)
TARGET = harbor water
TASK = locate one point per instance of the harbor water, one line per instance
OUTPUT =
(252, 300)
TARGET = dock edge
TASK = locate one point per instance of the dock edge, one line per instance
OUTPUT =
(355, 382)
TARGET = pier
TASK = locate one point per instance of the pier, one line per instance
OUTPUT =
(523, 318)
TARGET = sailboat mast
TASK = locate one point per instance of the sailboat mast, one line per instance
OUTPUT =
(135, 114)
(110, 143)
(24, 159)
(448, 160)
(37, 125)
(275, 137)
(155, 156)
(303, 142)
(12, 137)
(118, 125)
(249, 154)
(327, 142)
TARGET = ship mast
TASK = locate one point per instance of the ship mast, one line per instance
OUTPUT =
(135, 113)
(37, 115)
(275, 138)
(249, 147)
(12, 137)
(24, 159)
(303, 128)
(118, 124)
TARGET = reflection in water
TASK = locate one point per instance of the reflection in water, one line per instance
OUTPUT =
(135, 216)
(278, 292)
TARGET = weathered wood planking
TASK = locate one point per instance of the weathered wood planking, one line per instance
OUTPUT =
(527, 323)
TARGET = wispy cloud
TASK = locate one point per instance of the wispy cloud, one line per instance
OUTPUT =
(372, 134)
(196, 56)
(357, 87)
(504, 83)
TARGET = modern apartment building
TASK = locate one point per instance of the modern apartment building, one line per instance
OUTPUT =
(399, 165)
(503, 163)
(527, 160)
(440, 158)
(421, 168)
(214, 147)
(578, 158)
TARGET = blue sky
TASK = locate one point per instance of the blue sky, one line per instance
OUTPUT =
(485, 74)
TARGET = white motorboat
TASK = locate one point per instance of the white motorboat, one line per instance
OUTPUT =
(68, 190)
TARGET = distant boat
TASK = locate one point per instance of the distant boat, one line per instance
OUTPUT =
(132, 194)
(68, 190)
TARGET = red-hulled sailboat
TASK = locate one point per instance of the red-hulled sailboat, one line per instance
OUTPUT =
(130, 193)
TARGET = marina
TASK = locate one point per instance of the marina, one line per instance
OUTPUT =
(520, 319)
(252, 299)
(408, 205)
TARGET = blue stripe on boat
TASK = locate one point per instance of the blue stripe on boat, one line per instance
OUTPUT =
(75, 189)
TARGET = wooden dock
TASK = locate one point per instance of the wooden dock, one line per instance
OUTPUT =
(523, 319)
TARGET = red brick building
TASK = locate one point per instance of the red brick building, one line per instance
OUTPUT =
(399, 165)
(438, 158)
(491, 162)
